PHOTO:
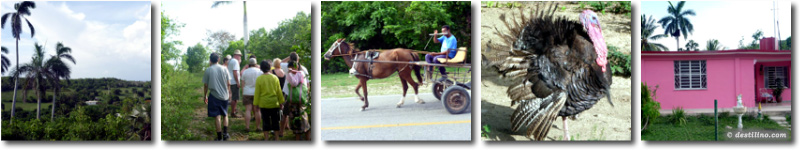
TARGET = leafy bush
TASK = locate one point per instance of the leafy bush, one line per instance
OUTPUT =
(620, 62)
(78, 126)
(678, 117)
(600, 6)
(485, 131)
(650, 107)
(789, 118)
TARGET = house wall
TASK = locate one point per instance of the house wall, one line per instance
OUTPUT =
(727, 77)
(787, 93)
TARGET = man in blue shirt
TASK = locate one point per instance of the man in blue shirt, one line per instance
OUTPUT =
(449, 48)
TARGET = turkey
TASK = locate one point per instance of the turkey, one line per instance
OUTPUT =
(557, 68)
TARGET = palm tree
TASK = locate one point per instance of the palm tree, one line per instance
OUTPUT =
(58, 70)
(22, 9)
(676, 24)
(713, 45)
(5, 60)
(246, 35)
(36, 73)
(648, 29)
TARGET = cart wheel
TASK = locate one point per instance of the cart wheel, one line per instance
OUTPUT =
(439, 86)
(456, 100)
(438, 89)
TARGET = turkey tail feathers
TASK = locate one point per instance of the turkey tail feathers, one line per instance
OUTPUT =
(538, 115)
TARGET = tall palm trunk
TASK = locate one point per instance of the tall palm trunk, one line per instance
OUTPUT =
(38, 99)
(678, 43)
(246, 35)
(16, 81)
(53, 107)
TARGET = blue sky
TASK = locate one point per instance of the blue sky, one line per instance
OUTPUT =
(108, 39)
(726, 21)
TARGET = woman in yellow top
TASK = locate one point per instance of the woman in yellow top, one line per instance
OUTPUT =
(269, 98)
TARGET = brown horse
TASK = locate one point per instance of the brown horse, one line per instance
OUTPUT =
(377, 70)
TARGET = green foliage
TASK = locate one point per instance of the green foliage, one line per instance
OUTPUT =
(291, 35)
(713, 45)
(77, 126)
(678, 117)
(755, 43)
(676, 23)
(701, 128)
(786, 44)
(600, 6)
(196, 58)
(648, 34)
(485, 130)
(620, 62)
(788, 118)
(691, 45)
(180, 97)
(169, 28)
(650, 107)
(391, 24)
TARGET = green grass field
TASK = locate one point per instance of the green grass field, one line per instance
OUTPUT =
(338, 85)
(699, 128)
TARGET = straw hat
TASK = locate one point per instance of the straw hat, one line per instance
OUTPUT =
(237, 52)
(253, 61)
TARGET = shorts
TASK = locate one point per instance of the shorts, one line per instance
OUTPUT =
(235, 90)
(271, 119)
(248, 100)
(217, 107)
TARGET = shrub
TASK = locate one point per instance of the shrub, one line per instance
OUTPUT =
(678, 117)
(650, 107)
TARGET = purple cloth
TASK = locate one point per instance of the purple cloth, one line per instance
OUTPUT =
(435, 60)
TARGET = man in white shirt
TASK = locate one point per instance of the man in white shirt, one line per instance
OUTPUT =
(249, 77)
(233, 67)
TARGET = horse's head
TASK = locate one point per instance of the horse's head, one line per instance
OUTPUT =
(337, 48)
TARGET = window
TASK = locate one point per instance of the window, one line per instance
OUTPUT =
(774, 73)
(690, 74)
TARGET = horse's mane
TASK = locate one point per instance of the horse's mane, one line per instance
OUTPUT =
(352, 47)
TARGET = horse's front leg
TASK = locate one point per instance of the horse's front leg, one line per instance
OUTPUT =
(359, 93)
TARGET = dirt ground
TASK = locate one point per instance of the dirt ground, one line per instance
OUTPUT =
(602, 122)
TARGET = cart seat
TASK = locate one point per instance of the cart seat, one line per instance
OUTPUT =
(461, 55)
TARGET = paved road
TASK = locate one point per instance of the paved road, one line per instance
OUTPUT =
(342, 120)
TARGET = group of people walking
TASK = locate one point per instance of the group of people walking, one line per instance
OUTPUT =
(274, 92)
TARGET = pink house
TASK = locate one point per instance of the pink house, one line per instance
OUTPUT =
(694, 79)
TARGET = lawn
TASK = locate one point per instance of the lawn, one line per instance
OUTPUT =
(338, 85)
(26, 106)
(701, 128)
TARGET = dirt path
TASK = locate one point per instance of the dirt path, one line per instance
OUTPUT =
(601, 122)
(202, 126)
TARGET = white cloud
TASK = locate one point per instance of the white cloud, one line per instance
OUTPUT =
(102, 47)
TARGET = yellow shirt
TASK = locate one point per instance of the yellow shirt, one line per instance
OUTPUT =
(268, 92)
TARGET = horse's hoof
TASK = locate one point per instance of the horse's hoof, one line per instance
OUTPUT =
(421, 102)
(398, 106)
(362, 99)
(362, 109)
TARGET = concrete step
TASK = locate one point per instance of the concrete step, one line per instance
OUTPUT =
(781, 120)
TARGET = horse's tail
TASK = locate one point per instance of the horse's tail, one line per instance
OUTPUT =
(417, 68)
